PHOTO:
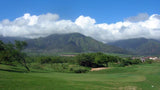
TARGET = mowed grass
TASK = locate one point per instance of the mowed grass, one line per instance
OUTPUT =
(136, 77)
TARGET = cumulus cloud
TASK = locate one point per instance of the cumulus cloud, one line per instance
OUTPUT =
(33, 26)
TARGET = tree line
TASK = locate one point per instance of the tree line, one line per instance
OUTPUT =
(102, 60)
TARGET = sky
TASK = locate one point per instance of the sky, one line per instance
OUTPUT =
(103, 20)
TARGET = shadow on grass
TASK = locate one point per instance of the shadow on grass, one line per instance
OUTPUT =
(9, 70)
(17, 69)
(24, 71)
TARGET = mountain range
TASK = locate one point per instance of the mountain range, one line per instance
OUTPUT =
(78, 43)
(140, 46)
(11, 39)
(73, 42)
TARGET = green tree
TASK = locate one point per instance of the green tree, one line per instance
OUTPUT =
(85, 60)
(1, 46)
(13, 53)
(136, 61)
(7, 53)
(1, 50)
(101, 60)
(19, 55)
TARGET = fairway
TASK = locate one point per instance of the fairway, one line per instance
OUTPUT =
(136, 77)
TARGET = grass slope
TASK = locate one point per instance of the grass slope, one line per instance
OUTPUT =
(138, 77)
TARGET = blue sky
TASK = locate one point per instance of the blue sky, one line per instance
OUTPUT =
(103, 20)
(103, 11)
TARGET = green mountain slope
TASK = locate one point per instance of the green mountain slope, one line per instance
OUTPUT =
(140, 46)
(11, 39)
(74, 42)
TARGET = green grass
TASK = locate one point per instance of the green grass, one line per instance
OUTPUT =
(137, 77)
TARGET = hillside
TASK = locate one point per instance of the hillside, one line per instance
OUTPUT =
(140, 46)
(11, 39)
(74, 42)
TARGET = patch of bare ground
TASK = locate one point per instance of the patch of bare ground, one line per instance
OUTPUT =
(128, 88)
(100, 68)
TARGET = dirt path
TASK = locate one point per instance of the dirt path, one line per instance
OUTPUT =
(97, 69)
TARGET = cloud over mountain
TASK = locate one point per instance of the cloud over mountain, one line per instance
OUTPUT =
(33, 26)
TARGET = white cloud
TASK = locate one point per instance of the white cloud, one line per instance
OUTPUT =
(85, 22)
(32, 26)
(139, 17)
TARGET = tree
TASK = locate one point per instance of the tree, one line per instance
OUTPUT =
(13, 53)
(85, 60)
(136, 61)
(1, 46)
(19, 55)
(6, 55)
(20, 45)
(97, 59)
(101, 60)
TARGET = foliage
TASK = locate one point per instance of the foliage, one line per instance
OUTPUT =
(60, 67)
(96, 59)
(86, 60)
(12, 53)
(103, 60)
(78, 69)
(125, 62)
(136, 61)
(54, 59)
(45, 60)
(149, 61)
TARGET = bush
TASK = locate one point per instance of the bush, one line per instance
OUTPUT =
(79, 69)
(125, 62)
(136, 61)
(149, 61)
(112, 64)
(60, 67)
(96, 59)
(85, 60)
(38, 66)
(45, 60)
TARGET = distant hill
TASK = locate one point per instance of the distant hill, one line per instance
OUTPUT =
(11, 39)
(73, 42)
(140, 46)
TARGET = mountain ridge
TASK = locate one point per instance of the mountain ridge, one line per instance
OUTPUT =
(73, 42)
(141, 46)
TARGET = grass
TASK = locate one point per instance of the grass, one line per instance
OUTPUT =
(137, 77)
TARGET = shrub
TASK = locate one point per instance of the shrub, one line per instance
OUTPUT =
(38, 66)
(60, 67)
(85, 60)
(149, 61)
(96, 59)
(125, 62)
(112, 64)
(45, 60)
(79, 70)
(136, 61)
